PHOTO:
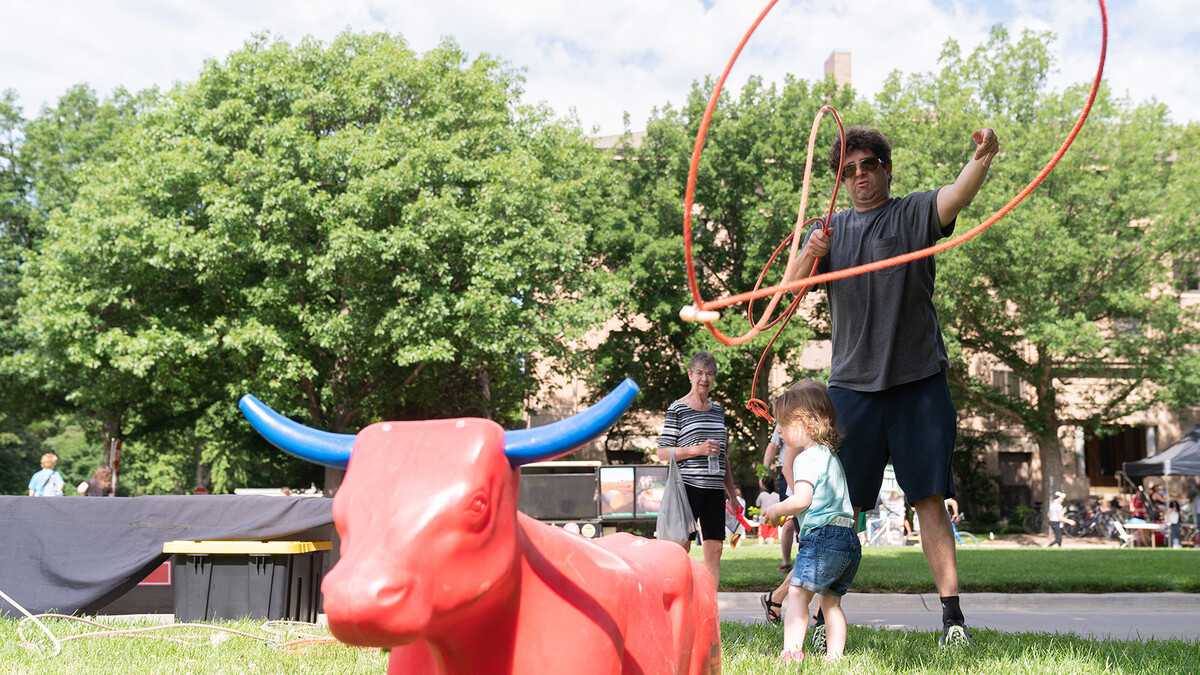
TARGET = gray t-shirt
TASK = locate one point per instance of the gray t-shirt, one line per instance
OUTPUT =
(885, 328)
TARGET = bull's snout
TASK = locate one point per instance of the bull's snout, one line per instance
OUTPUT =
(366, 608)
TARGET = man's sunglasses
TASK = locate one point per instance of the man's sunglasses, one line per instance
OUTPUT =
(869, 165)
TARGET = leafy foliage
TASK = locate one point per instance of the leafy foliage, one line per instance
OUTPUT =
(747, 185)
(353, 231)
(1066, 292)
(350, 231)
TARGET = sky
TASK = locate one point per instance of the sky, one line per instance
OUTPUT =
(598, 59)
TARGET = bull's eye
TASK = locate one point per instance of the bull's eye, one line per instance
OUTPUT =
(477, 510)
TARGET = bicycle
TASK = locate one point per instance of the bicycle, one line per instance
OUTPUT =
(1035, 523)
(960, 538)
(1094, 522)
(879, 528)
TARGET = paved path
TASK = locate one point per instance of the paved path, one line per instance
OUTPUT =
(1120, 616)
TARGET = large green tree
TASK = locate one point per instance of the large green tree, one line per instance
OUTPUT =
(1070, 291)
(16, 219)
(1067, 292)
(43, 161)
(747, 195)
(351, 231)
(15, 216)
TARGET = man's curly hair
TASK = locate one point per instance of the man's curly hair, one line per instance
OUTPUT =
(860, 138)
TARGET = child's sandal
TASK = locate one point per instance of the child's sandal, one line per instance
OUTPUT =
(772, 608)
(786, 656)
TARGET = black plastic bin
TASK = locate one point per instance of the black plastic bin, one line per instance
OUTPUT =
(271, 580)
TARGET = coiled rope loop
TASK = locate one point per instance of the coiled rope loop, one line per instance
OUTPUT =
(705, 311)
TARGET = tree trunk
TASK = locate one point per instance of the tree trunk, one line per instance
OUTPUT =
(110, 429)
(1050, 453)
(333, 480)
(110, 437)
(203, 477)
(485, 389)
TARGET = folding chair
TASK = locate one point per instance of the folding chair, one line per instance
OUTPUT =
(1126, 537)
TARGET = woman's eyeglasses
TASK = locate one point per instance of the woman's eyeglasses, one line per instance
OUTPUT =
(869, 165)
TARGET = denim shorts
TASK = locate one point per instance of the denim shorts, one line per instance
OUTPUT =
(827, 560)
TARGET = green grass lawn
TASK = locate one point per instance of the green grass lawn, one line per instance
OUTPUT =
(748, 649)
(983, 569)
(202, 650)
(753, 649)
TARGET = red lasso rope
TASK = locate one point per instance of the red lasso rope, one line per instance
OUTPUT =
(703, 307)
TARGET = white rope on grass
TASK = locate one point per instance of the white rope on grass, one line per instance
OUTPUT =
(279, 629)
(30, 617)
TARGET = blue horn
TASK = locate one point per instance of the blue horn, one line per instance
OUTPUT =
(538, 444)
(521, 446)
(318, 447)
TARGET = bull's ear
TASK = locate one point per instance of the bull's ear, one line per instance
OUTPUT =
(525, 446)
(319, 447)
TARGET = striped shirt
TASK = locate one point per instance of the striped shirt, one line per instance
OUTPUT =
(686, 426)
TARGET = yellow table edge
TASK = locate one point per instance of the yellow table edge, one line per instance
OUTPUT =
(245, 547)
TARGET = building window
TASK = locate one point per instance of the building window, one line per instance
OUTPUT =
(1007, 383)
(1187, 274)
(1104, 456)
(1127, 326)
(1016, 475)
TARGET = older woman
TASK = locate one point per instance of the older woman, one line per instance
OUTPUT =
(695, 429)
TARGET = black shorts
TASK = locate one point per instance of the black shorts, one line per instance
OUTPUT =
(708, 505)
(913, 425)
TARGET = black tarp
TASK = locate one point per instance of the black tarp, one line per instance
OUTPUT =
(1182, 458)
(77, 554)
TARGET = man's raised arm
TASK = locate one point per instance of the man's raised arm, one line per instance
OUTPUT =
(955, 197)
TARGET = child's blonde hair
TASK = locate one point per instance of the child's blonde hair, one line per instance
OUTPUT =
(49, 460)
(807, 403)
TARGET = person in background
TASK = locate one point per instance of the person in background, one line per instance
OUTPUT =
(1171, 518)
(695, 428)
(1057, 516)
(1139, 514)
(733, 524)
(766, 498)
(47, 482)
(1158, 502)
(787, 531)
(99, 485)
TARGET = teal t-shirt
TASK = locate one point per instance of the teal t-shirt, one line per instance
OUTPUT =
(46, 483)
(821, 468)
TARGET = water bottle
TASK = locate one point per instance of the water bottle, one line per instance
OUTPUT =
(714, 464)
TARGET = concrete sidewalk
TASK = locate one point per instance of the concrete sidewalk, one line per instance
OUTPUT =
(1122, 616)
(1118, 616)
